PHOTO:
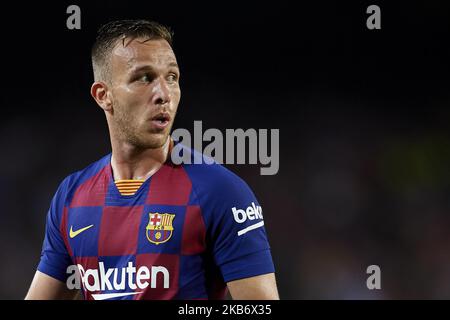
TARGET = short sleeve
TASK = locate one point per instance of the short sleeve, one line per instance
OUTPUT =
(54, 256)
(239, 240)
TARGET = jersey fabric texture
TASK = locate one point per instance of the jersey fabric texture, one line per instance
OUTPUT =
(187, 231)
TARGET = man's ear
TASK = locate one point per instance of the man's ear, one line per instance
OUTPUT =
(100, 93)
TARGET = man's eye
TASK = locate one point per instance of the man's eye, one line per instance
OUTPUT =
(172, 77)
(144, 78)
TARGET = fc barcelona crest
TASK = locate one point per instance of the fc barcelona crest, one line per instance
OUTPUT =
(159, 228)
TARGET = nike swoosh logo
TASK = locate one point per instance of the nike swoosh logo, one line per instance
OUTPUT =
(73, 234)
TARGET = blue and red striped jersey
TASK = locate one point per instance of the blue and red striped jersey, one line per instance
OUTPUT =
(187, 231)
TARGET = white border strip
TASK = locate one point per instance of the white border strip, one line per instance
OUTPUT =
(253, 226)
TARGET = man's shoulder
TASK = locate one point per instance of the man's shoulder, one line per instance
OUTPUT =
(209, 176)
(217, 190)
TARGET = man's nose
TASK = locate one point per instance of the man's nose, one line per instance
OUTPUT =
(161, 93)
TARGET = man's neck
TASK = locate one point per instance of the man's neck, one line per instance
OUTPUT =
(129, 162)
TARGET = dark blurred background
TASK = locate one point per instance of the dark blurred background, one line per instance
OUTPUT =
(363, 116)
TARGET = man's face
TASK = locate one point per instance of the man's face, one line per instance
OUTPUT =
(145, 91)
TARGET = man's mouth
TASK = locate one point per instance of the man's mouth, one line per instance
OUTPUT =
(161, 120)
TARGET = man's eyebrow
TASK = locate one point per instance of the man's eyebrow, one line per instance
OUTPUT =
(141, 68)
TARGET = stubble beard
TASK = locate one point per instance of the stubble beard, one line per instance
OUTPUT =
(131, 131)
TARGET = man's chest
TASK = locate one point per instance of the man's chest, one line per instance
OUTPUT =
(148, 250)
(132, 230)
